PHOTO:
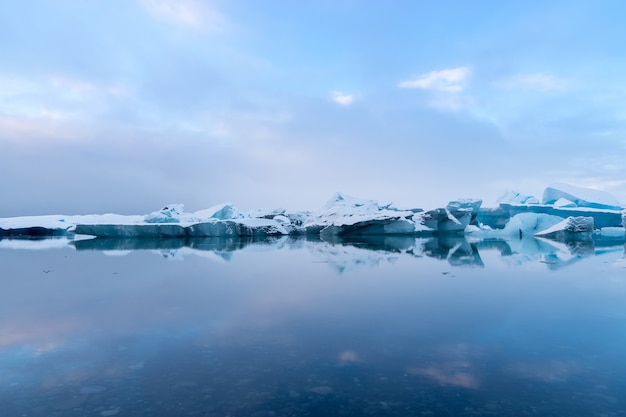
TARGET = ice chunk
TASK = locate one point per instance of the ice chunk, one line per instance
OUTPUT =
(159, 230)
(291, 222)
(565, 203)
(582, 197)
(225, 211)
(611, 232)
(528, 224)
(168, 214)
(513, 197)
(281, 219)
(455, 217)
(602, 217)
(572, 228)
(266, 213)
(52, 225)
(240, 227)
(343, 215)
(171, 222)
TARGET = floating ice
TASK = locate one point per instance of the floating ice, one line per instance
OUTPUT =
(564, 202)
(513, 197)
(580, 197)
(455, 217)
(341, 216)
(529, 224)
(572, 227)
(225, 211)
(168, 214)
(344, 215)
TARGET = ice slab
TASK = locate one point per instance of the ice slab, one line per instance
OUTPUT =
(454, 218)
(580, 197)
(572, 228)
(345, 215)
(514, 197)
(341, 216)
(520, 226)
(601, 217)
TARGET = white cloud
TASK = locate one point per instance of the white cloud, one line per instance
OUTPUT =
(194, 13)
(343, 99)
(537, 81)
(448, 80)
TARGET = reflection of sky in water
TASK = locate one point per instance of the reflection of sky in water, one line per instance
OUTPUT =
(308, 328)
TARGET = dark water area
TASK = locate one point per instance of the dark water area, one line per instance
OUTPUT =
(292, 327)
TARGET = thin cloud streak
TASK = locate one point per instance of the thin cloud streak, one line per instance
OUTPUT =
(447, 80)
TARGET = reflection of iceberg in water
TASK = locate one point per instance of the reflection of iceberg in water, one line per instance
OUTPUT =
(350, 253)
(228, 244)
(349, 257)
(455, 249)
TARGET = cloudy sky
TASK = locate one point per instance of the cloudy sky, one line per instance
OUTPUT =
(127, 105)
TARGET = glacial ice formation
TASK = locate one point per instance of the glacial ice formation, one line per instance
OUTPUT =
(344, 215)
(565, 213)
(579, 197)
(513, 197)
(570, 228)
(558, 200)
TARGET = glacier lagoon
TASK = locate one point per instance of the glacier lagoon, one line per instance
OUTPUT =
(294, 326)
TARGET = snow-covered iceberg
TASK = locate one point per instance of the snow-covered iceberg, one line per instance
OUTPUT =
(172, 222)
(344, 215)
(560, 200)
(572, 228)
(565, 195)
(516, 214)
(348, 216)
(514, 197)
(455, 217)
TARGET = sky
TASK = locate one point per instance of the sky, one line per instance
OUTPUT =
(125, 106)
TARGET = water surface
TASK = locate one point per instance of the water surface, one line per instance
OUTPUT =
(290, 327)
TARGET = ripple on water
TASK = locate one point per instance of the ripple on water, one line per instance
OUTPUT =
(91, 389)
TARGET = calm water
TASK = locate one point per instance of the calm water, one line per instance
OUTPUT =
(385, 327)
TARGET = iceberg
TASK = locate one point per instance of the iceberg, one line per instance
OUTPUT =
(455, 217)
(572, 228)
(225, 211)
(520, 226)
(344, 215)
(517, 214)
(579, 197)
(168, 214)
(561, 200)
(514, 197)
(348, 216)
